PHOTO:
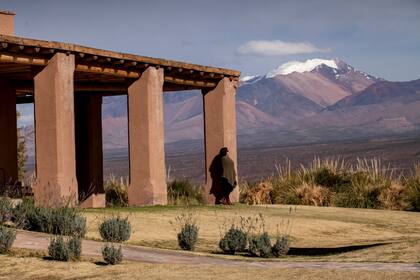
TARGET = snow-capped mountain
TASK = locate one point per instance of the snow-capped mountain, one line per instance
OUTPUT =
(313, 100)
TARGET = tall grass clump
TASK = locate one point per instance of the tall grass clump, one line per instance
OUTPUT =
(116, 191)
(368, 183)
(412, 185)
(184, 192)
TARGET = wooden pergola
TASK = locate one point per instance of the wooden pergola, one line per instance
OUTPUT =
(66, 82)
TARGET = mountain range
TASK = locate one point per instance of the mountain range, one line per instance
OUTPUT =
(299, 102)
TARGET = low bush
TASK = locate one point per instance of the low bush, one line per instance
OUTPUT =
(115, 229)
(74, 245)
(111, 254)
(260, 245)
(7, 237)
(116, 192)
(188, 237)
(281, 246)
(65, 249)
(183, 192)
(413, 193)
(58, 249)
(60, 221)
(185, 226)
(5, 210)
(235, 240)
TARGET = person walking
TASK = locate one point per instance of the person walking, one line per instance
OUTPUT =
(223, 174)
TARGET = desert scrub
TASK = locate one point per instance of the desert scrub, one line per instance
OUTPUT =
(60, 221)
(412, 185)
(112, 254)
(116, 192)
(183, 192)
(235, 240)
(260, 245)
(74, 245)
(281, 247)
(7, 237)
(258, 193)
(186, 228)
(116, 229)
(58, 249)
(5, 210)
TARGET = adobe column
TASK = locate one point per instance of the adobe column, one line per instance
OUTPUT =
(8, 134)
(54, 133)
(219, 129)
(146, 141)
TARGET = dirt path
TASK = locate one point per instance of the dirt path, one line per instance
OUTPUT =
(40, 241)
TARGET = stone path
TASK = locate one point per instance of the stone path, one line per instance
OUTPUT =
(40, 241)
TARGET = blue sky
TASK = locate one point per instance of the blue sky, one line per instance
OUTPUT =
(379, 37)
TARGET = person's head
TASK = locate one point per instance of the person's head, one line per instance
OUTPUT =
(223, 151)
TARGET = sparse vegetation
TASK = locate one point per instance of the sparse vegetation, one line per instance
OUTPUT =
(112, 254)
(7, 237)
(183, 192)
(5, 210)
(366, 184)
(60, 221)
(116, 191)
(58, 249)
(235, 240)
(116, 229)
(186, 228)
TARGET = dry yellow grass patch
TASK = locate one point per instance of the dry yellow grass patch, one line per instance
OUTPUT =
(35, 268)
(311, 227)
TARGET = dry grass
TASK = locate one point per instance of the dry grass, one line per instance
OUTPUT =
(36, 268)
(312, 227)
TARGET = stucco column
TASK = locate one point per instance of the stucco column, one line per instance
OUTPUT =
(89, 157)
(8, 134)
(54, 133)
(146, 141)
(220, 129)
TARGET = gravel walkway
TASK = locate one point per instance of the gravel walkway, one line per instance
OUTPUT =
(40, 241)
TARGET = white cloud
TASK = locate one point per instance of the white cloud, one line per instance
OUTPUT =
(277, 47)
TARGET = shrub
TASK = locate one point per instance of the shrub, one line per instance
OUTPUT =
(260, 245)
(281, 247)
(7, 237)
(183, 192)
(58, 249)
(413, 192)
(5, 210)
(310, 194)
(188, 237)
(116, 229)
(66, 221)
(61, 221)
(363, 193)
(111, 254)
(335, 181)
(234, 240)
(256, 194)
(116, 192)
(393, 197)
(75, 248)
